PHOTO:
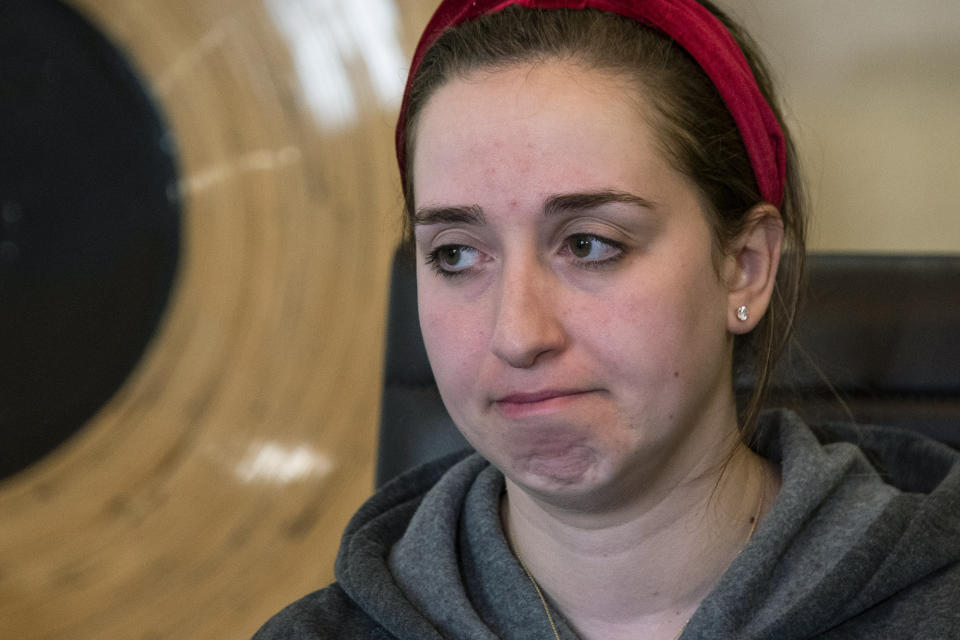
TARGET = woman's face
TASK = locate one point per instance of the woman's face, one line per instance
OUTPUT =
(572, 311)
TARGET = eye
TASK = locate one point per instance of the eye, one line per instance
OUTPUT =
(593, 250)
(452, 259)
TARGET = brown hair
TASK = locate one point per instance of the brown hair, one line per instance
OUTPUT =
(694, 127)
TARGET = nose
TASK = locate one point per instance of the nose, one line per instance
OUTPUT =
(528, 326)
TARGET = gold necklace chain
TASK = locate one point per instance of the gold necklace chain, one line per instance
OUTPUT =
(543, 600)
(536, 587)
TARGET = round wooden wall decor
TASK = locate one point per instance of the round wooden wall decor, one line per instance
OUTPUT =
(208, 484)
(89, 225)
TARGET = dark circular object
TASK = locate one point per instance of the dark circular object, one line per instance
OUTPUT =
(89, 225)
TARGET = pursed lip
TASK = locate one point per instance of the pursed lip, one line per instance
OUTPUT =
(544, 402)
(538, 396)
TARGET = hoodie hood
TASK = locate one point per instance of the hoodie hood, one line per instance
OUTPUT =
(866, 521)
(862, 539)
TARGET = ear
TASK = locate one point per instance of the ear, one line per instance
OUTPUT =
(750, 267)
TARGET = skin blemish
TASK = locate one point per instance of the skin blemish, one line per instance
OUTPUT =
(676, 374)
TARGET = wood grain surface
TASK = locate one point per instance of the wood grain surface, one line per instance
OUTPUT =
(214, 487)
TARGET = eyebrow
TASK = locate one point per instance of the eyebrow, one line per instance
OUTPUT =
(572, 202)
(472, 214)
(557, 204)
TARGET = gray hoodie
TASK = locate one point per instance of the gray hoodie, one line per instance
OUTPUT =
(863, 541)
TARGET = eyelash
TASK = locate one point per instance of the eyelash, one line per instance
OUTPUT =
(433, 258)
(433, 261)
(595, 265)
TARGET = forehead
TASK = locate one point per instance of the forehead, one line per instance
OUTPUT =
(552, 126)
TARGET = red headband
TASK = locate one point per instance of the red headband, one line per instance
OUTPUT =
(691, 26)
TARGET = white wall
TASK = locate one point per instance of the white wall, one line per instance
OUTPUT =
(872, 89)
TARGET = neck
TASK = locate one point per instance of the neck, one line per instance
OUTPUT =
(640, 571)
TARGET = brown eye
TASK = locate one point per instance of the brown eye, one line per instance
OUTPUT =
(453, 259)
(580, 246)
(592, 251)
(450, 256)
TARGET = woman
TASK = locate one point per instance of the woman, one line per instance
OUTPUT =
(606, 211)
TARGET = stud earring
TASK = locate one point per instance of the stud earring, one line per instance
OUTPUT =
(743, 314)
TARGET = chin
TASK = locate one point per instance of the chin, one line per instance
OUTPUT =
(567, 467)
(576, 480)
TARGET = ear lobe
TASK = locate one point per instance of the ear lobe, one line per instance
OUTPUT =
(752, 261)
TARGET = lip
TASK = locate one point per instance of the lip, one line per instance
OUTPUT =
(538, 396)
(538, 402)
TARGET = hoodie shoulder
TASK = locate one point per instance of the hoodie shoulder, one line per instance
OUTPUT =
(925, 609)
(906, 459)
(365, 601)
(863, 540)
(325, 614)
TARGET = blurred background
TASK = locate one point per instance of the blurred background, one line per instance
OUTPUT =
(198, 208)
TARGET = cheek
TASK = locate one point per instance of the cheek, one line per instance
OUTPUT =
(454, 338)
(661, 329)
